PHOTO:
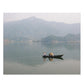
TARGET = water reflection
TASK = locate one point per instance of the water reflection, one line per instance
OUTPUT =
(25, 58)
(58, 67)
(59, 45)
(51, 59)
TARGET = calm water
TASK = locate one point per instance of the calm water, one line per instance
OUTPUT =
(26, 58)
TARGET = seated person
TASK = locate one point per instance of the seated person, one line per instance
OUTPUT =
(44, 53)
(51, 54)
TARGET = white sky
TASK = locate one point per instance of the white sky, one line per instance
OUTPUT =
(58, 17)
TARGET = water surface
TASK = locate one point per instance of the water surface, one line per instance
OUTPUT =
(26, 58)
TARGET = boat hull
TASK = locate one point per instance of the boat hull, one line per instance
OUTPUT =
(55, 56)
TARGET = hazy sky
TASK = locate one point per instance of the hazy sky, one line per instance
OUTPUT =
(58, 17)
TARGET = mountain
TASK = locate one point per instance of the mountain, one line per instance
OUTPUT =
(35, 28)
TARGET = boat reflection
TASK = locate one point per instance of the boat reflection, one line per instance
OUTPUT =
(51, 59)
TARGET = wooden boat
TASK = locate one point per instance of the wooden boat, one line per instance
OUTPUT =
(55, 56)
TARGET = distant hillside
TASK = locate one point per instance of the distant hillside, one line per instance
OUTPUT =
(67, 38)
(35, 28)
(72, 37)
(52, 38)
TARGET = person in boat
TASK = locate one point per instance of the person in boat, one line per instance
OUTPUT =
(44, 53)
(51, 54)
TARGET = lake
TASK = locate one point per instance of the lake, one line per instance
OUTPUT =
(26, 58)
